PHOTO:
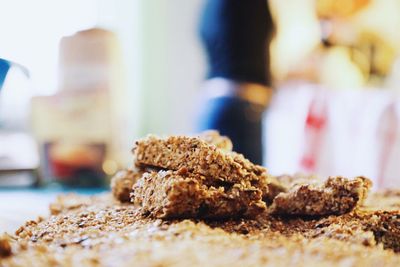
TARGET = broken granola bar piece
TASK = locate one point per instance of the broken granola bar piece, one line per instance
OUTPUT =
(337, 195)
(282, 183)
(180, 194)
(198, 157)
(275, 187)
(122, 183)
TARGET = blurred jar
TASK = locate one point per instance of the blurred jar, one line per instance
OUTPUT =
(76, 127)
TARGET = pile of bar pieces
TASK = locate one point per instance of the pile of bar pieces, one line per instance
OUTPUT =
(201, 177)
(191, 201)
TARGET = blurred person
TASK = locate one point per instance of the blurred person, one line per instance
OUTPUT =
(236, 35)
(4, 67)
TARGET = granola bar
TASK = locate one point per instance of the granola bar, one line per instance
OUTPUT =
(275, 187)
(122, 183)
(180, 194)
(282, 183)
(221, 192)
(198, 157)
(337, 195)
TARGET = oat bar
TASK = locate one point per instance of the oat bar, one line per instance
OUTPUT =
(282, 183)
(198, 157)
(180, 194)
(337, 195)
(122, 182)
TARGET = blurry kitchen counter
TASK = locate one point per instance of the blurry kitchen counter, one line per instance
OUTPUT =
(20, 205)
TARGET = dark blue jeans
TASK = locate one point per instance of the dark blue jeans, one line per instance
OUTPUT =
(236, 35)
(239, 120)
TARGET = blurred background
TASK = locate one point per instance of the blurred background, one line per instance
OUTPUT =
(86, 78)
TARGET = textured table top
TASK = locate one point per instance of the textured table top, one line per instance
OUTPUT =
(20, 205)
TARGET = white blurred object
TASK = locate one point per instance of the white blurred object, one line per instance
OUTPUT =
(362, 134)
(285, 128)
(14, 100)
(91, 61)
(18, 152)
(388, 133)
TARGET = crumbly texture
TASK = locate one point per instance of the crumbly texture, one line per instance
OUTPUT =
(180, 194)
(385, 226)
(122, 183)
(102, 232)
(275, 187)
(70, 202)
(308, 224)
(337, 195)
(223, 143)
(199, 157)
(364, 227)
(283, 183)
(214, 138)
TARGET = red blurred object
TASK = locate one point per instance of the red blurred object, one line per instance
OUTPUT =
(387, 132)
(74, 164)
(315, 125)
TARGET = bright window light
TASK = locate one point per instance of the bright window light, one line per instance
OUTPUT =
(31, 30)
